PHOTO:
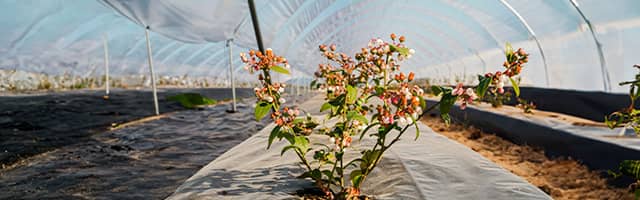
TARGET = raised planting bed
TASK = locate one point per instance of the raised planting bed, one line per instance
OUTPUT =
(431, 167)
(595, 145)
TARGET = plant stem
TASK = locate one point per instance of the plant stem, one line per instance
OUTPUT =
(267, 80)
(304, 160)
(335, 164)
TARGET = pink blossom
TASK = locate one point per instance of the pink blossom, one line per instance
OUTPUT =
(471, 94)
(458, 91)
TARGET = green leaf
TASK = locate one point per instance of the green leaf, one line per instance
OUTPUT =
(313, 83)
(302, 143)
(509, 52)
(446, 102)
(262, 109)
(630, 168)
(316, 174)
(353, 115)
(483, 86)
(446, 118)
(516, 88)
(436, 90)
(192, 100)
(279, 69)
(352, 94)
(356, 178)
(423, 104)
(368, 158)
(287, 133)
(325, 106)
(338, 101)
(415, 123)
(274, 133)
(402, 50)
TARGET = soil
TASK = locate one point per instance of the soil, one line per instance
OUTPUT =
(561, 178)
(144, 160)
(35, 123)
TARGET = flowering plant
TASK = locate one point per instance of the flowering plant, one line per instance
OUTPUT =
(526, 106)
(629, 116)
(493, 83)
(489, 83)
(362, 93)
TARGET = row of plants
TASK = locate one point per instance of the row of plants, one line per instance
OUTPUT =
(17, 81)
(366, 95)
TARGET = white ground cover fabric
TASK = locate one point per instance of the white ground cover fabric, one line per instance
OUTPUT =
(432, 167)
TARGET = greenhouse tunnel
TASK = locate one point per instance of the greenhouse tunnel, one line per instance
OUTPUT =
(580, 50)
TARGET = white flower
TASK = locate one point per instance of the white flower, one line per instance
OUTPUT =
(412, 51)
(281, 89)
(243, 57)
(409, 56)
(471, 94)
(418, 109)
(256, 89)
(379, 42)
(361, 127)
(414, 115)
(268, 99)
(287, 66)
(282, 100)
(410, 120)
(331, 88)
(332, 140)
(402, 121)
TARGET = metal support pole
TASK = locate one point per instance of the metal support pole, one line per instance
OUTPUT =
(603, 63)
(533, 35)
(233, 81)
(256, 25)
(153, 75)
(106, 65)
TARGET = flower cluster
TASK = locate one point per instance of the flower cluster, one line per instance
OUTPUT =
(465, 96)
(269, 96)
(270, 93)
(406, 100)
(514, 64)
(286, 117)
(258, 61)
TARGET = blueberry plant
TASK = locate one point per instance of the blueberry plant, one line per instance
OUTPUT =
(365, 95)
(628, 117)
(494, 82)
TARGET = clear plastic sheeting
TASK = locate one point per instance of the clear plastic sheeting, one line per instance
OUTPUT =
(454, 39)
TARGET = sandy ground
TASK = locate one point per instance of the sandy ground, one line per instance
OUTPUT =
(144, 161)
(560, 178)
(35, 123)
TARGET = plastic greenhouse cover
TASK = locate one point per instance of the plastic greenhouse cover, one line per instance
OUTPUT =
(454, 39)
